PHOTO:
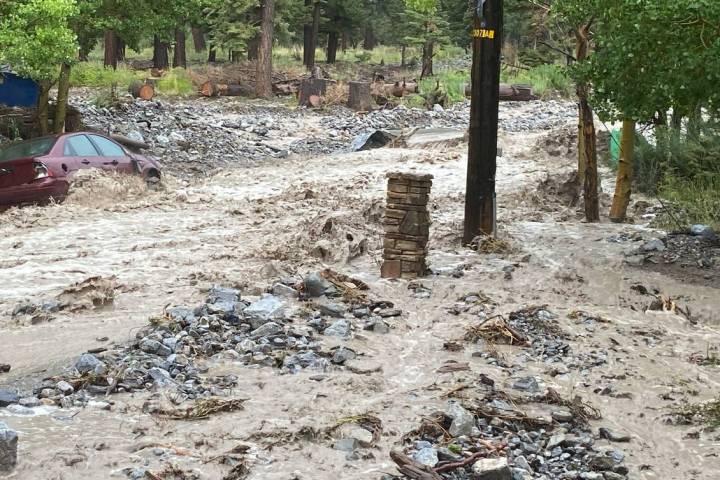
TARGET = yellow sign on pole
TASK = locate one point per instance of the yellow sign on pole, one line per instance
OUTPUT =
(483, 33)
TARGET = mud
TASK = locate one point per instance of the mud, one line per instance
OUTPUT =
(245, 228)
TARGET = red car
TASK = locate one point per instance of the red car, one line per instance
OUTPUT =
(41, 169)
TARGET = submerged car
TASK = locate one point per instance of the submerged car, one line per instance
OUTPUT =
(41, 169)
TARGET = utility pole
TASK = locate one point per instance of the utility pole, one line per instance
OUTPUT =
(480, 206)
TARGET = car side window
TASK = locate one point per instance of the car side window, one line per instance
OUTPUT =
(80, 146)
(107, 147)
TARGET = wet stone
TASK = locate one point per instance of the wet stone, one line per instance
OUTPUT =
(89, 363)
(8, 448)
(346, 444)
(426, 456)
(316, 286)
(7, 397)
(491, 469)
(526, 384)
(463, 421)
(332, 309)
(562, 416)
(30, 402)
(64, 387)
(654, 245)
(342, 355)
(270, 328)
(269, 307)
(282, 290)
(340, 328)
(613, 436)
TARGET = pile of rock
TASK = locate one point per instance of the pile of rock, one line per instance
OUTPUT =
(8, 448)
(280, 330)
(407, 225)
(557, 447)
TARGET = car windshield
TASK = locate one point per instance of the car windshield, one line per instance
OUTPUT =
(29, 148)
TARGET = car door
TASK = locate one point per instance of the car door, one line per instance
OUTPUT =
(80, 153)
(113, 155)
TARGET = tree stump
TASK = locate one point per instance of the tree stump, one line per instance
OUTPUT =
(360, 98)
(312, 87)
(139, 89)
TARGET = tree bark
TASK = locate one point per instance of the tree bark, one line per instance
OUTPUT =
(587, 140)
(314, 35)
(120, 45)
(369, 38)
(212, 55)
(254, 47)
(307, 37)
(344, 42)
(62, 98)
(332, 46)
(180, 54)
(198, 39)
(402, 55)
(623, 183)
(263, 82)
(43, 107)
(110, 59)
(427, 59)
(360, 96)
(160, 54)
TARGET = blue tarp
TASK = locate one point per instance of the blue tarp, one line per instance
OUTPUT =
(17, 91)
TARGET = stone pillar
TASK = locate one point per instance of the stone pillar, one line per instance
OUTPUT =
(407, 225)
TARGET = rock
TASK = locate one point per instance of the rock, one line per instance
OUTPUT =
(90, 363)
(527, 384)
(149, 345)
(340, 328)
(99, 405)
(426, 456)
(521, 462)
(7, 397)
(591, 476)
(8, 448)
(332, 309)
(4, 367)
(438, 108)
(463, 421)
(491, 469)
(381, 327)
(654, 245)
(562, 416)
(601, 462)
(555, 441)
(612, 436)
(613, 476)
(282, 290)
(346, 444)
(64, 387)
(704, 231)
(342, 355)
(19, 409)
(30, 402)
(161, 378)
(270, 328)
(364, 437)
(269, 307)
(316, 286)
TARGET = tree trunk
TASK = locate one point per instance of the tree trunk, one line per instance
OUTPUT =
(314, 35)
(110, 59)
(235, 56)
(360, 96)
(212, 55)
(254, 47)
(307, 38)
(587, 140)
(263, 78)
(427, 59)
(402, 55)
(62, 98)
(120, 45)
(332, 46)
(160, 54)
(198, 39)
(42, 108)
(179, 54)
(344, 42)
(369, 38)
(623, 184)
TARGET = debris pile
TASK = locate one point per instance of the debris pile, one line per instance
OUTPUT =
(174, 352)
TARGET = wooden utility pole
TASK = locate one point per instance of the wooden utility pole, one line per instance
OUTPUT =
(487, 32)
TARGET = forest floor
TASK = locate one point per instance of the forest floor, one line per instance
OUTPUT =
(248, 226)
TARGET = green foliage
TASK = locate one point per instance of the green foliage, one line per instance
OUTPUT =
(94, 74)
(35, 38)
(546, 80)
(696, 201)
(176, 82)
(452, 82)
(232, 23)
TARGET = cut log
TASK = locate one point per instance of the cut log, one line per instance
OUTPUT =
(129, 142)
(511, 93)
(139, 89)
(312, 87)
(360, 97)
(212, 89)
(286, 87)
(209, 89)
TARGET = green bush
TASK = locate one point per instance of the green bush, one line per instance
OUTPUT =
(176, 82)
(696, 200)
(94, 74)
(453, 82)
(546, 80)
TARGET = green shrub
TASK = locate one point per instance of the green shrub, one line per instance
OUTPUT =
(176, 82)
(453, 82)
(94, 74)
(695, 201)
(546, 80)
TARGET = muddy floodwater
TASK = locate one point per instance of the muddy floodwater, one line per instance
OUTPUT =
(135, 251)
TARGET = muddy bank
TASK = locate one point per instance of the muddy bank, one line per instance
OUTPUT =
(247, 229)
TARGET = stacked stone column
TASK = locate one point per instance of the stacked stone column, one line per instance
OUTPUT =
(407, 225)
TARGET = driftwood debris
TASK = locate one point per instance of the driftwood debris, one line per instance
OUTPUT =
(511, 93)
(286, 87)
(129, 142)
(143, 90)
(360, 96)
(212, 89)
